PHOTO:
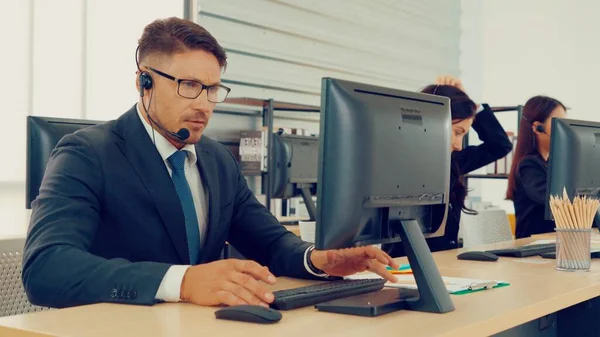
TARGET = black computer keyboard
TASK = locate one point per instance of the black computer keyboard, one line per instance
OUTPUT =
(525, 251)
(314, 294)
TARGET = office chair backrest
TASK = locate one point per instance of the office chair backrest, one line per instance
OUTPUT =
(489, 226)
(43, 133)
(13, 300)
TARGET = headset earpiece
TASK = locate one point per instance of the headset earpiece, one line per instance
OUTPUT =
(145, 82)
(540, 128)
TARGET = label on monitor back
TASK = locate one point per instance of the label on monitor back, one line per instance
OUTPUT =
(590, 192)
(405, 200)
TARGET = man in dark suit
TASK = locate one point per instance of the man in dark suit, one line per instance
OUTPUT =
(137, 210)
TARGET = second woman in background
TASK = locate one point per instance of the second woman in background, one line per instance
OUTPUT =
(528, 175)
(496, 145)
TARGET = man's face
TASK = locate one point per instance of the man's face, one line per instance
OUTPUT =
(170, 109)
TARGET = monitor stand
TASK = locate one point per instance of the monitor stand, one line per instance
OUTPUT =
(431, 296)
(308, 201)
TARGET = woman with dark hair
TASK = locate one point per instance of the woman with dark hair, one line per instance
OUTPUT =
(496, 145)
(528, 174)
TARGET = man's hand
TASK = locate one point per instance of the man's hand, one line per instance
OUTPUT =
(349, 261)
(449, 80)
(230, 282)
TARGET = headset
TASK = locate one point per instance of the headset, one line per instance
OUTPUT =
(145, 83)
(539, 128)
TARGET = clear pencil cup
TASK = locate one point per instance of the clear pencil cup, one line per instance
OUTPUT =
(573, 249)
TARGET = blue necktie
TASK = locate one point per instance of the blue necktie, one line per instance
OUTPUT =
(177, 161)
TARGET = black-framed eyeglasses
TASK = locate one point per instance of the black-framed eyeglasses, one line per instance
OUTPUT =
(192, 89)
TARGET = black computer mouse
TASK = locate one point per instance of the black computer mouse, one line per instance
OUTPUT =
(475, 255)
(249, 313)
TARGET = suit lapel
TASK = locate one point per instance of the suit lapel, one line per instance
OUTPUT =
(149, 165)
(209, 173)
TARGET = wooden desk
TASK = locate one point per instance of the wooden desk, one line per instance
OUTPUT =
(536, 290)
(291, 219)
(287, 221)
(293, 228)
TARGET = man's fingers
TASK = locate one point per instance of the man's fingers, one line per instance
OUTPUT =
(360, 252)
(390, 261)
(371, 252)
(375, 253)
(359, 257)
(254, 269)
(229, 298)
(380, 270)
(381, 256)
(382, 259)
(394, 264)
(252, 285)
(243, 293)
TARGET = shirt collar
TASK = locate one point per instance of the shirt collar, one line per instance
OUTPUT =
(164, 147)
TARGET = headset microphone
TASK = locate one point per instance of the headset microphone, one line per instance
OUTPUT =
(183, 134)
(180, 135)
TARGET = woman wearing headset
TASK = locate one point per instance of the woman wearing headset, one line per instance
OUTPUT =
(528, 175)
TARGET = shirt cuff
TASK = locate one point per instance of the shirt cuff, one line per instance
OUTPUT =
(170, 286)
(306, 264)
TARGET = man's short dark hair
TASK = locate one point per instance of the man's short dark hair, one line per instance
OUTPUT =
(166, 37)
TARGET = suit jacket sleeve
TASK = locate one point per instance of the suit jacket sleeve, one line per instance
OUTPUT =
(58, 269)
(533, 178)
(496, 143)
(257, 234)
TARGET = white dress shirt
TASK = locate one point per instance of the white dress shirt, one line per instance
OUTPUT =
(170, 286)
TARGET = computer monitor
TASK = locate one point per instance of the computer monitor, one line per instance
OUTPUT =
(384, 167)
(295, 170)
(43, 133)
(574, 161)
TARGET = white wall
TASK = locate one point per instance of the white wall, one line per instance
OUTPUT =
(110, 57)
(533, 47)
(15, 31)
(282, 48)
(68, 58)
(63, 58)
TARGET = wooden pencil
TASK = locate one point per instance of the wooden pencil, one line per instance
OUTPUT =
(571, 216)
